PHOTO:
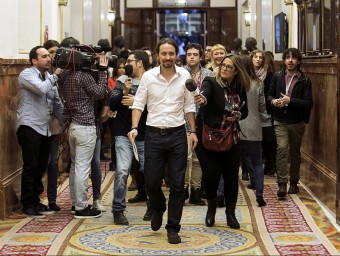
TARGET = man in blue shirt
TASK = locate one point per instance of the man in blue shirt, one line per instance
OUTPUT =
(35, 106)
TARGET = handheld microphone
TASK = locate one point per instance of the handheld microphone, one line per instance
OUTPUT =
(128, 70)
(191, 87)
(128, 73)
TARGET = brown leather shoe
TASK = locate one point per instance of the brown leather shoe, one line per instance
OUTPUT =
(119, 218)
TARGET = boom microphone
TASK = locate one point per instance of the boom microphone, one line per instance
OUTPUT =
(191, 87)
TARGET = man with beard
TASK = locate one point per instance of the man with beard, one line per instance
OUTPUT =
(291, 96)
(35, 107)
(163, 90)
(122, 98)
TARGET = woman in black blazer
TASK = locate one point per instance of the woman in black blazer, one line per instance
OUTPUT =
(223, 100)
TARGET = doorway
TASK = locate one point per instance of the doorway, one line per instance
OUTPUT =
(183, 26)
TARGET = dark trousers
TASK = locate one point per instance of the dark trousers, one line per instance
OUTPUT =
(215, 164)
(53, 170)
(269, 146)
(171, 150)
(35, 152)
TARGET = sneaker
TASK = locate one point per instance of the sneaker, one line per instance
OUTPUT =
(98, 205)
(43, 209)
(33, 213)
(54, 207)
(87, 213)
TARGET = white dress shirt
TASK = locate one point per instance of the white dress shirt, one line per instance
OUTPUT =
(167, 101)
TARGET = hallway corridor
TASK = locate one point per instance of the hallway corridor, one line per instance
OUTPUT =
(296, 226)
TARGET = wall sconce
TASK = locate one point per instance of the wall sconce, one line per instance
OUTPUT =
(111, 15)
(247, 18)
(62, 2)
(179, 3)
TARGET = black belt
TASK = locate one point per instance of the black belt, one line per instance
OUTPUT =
(164, 131)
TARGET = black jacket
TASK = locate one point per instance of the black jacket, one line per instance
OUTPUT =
(213, 111)
(301, 100)
(123, 121)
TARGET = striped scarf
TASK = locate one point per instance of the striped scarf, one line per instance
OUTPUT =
(261, 73)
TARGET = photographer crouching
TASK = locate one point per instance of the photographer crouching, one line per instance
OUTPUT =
(80, 90)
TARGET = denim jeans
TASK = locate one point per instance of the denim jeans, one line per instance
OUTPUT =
(124, 155)
(96, 173)
(252, 159)
(82, 140)
(53, 170)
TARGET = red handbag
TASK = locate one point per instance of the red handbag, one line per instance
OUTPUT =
(217, 140)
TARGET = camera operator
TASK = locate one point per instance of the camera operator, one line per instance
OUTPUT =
(35, 106)
(80, 91)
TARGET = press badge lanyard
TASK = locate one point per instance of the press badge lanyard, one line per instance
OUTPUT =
(288, 85)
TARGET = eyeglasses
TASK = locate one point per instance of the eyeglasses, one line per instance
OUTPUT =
(226, 67)
(129, 61)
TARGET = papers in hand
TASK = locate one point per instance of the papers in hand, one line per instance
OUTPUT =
(135, 151)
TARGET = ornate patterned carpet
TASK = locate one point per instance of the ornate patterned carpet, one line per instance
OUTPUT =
(296, 226)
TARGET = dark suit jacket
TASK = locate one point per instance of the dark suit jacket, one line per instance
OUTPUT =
(213, 111)
(301, 100)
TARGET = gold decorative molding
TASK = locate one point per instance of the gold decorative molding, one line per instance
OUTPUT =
(288, 2)
(320, 167)
(63, 2)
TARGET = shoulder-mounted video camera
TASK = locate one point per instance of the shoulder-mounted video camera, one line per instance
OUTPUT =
(81, 57)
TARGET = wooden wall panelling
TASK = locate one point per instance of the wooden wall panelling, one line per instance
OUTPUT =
(335, 14)
(132, 22)
(148, 28)
(228, 27)
(319, 166)
(213, 26)
(10, 151)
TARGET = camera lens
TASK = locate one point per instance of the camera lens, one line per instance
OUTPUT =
(112, 61)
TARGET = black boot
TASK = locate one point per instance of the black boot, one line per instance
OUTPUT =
(230, 214)
(282, 192)
(139, 197)
(211, 212)
(148, 215)
(293, 188)
(195, 197)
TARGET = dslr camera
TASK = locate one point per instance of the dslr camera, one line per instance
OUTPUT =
(81, 57)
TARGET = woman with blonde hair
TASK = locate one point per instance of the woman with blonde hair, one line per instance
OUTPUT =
(218, 52)
(223, 102)
(265, 69)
